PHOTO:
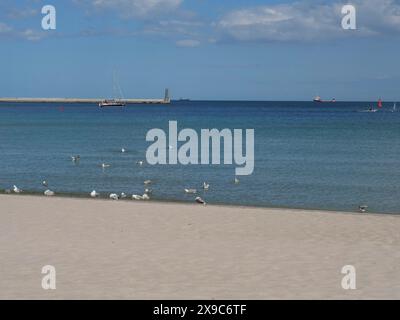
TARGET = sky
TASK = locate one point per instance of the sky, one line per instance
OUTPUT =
(201, 49)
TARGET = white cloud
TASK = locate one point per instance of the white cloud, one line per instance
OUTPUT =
(307, 21)
(135, 8)
(188, 43)
(22, 13)
(4, 28)
(31, 35)
(27, 34)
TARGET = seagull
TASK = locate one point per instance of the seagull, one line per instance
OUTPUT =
(146, 197)
(123, 150)
(237, 181)
(147, 182)
(137, 197)
(148, 191)
(140, 163)
(49, 193)
(45, 184)
(114, 196)
(191, 191)
(16, 189)
(94, 194)
(123, 196)
(105, 165)
(362, 208)
(75, 158)
(206, 186)
(200, 200)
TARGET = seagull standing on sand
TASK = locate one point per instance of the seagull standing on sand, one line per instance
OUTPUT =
(94, 194)
(49, 193)
(200, 201)
(122, 196)
(114, 196)
(146, 197)
(137, 197)
(16, 189)
(363, 208)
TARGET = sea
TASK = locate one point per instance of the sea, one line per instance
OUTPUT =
(307, 155)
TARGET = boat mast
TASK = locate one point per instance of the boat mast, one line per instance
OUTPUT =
(116, 87)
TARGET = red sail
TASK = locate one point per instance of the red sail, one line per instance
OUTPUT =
(380, 103)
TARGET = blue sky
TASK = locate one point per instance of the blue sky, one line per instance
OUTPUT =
(201, 49)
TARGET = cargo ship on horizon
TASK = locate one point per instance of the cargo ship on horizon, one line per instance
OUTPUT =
(319, 100)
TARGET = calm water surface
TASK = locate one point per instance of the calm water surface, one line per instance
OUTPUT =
(320, 156)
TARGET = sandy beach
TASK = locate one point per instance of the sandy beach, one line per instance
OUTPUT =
(145, 250)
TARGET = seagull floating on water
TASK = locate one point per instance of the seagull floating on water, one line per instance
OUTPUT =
(45, 184)
(140, 163)
(105, 165)
(191, 191)
(206, 186)
(49, 193)
(123, 150)
(94, 194)
(147, 182)
(237, 181)
(148, 191)
(16, 189)
(75, 158)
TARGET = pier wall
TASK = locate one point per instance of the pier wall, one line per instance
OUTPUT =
(77, 100)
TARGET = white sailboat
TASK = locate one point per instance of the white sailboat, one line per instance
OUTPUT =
(394, 107)
(116, 102)
(370, 109)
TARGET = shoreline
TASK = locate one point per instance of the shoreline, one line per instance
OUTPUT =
(157, 250)
(84, 196)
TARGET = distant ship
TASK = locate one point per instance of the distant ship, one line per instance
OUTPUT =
(319, 100)
(111, 103)
(114, 102)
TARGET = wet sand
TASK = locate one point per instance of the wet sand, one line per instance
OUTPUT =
(144, 250)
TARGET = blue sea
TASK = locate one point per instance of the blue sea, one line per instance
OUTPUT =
(307, 155)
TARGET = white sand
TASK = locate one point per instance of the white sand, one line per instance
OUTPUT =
(136, 250)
